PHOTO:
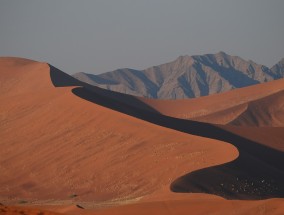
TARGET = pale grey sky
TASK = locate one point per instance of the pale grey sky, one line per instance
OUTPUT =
(97, 36)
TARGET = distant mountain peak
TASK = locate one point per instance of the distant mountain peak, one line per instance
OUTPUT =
(186, 59)
(187, 77)
(222, 53)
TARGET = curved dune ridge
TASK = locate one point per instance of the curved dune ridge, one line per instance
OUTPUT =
(66, 141)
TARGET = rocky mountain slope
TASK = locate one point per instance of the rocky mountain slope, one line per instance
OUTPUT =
(187, 77)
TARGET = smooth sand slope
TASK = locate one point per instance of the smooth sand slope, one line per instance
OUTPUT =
(64, 142)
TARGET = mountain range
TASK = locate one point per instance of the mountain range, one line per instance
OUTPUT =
(186, 77)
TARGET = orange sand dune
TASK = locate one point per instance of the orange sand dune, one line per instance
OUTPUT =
(56, 144)
(213, 109)
(267, 111)
(66, 142)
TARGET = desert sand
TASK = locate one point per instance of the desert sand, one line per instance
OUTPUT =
(12, 210)
(65, 143)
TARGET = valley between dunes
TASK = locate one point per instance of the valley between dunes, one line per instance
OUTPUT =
(66, 143)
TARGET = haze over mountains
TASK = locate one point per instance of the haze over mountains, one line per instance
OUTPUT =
(187, 77)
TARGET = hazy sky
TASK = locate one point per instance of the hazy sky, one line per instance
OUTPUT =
(96, 36)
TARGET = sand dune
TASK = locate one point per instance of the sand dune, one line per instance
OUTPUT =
(56, 144)
(66, 142)
(213, 109)
(267, 111)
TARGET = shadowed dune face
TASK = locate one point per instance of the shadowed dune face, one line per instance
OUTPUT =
(245, 178)
(96, 94)
(61, 79)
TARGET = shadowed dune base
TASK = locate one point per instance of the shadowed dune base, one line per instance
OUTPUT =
(258, 172)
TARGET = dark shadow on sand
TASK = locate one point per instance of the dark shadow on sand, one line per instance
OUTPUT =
(258, 173)
(122, 102)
